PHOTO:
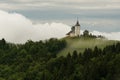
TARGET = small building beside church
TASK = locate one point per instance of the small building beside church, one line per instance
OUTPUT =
(75, 30)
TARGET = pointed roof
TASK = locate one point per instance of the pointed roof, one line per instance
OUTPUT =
(69, 33)
(77, 23)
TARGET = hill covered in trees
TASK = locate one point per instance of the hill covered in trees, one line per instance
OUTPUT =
(39, 61)
(86, 40)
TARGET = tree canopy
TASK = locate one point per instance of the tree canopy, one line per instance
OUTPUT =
(39, 61)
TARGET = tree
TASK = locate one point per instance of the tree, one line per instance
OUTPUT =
(3, 44)
(75, 55)
(86, 33)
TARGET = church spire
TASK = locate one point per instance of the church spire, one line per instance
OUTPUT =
(77, 23)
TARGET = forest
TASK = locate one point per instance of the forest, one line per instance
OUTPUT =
(38, 61)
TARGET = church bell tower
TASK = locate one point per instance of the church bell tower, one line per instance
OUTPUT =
(77, 29)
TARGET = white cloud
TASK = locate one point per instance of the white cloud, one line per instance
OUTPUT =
(16, 28)
(110, 36)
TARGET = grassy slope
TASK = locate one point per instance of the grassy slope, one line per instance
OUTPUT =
(80, 44)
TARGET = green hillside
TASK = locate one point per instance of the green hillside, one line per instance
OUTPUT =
(80, 44)
(39, 61)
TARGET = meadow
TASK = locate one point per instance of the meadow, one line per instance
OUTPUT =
(80, 44)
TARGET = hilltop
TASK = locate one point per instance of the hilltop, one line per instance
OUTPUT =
(81, 43)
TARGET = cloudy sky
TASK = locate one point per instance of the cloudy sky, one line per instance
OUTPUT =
(96, 15)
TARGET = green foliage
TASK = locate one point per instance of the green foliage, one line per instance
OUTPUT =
(86, 34)
(38, 61)
(27, 61)
(81, 43)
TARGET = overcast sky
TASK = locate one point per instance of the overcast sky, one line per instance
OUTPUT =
(102, 15)
(94, 15)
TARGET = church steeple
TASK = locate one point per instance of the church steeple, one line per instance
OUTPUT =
(75, 30)
(77, 23)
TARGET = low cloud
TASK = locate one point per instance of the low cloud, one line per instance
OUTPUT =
(110, 36)
(16, 28)
(107, 35)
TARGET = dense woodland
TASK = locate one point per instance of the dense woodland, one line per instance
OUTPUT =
(39, 61)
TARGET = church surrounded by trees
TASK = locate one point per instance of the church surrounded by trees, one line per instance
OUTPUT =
(75, 32)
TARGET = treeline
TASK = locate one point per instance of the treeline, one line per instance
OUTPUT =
(38, 61)
(87, 34)
(18, 61)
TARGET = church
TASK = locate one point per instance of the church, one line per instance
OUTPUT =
(75, 30)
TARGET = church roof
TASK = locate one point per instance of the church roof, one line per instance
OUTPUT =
(77, 24)
(69, 33)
